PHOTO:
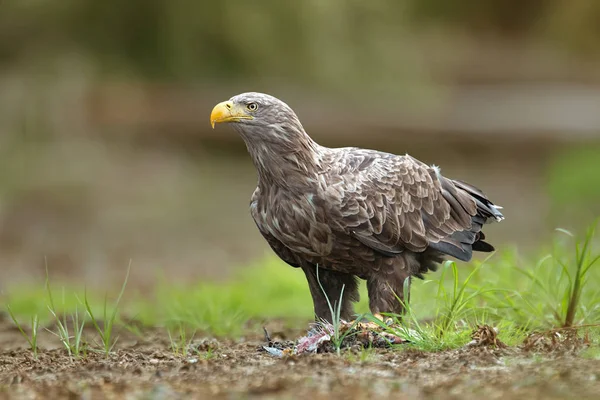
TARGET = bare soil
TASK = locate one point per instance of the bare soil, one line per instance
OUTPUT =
(546, 367)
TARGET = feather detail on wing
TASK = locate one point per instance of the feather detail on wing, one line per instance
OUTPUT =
(399, 203)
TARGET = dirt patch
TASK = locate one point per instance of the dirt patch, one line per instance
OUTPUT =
(146, 367)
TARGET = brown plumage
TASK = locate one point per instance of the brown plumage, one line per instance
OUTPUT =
(354, 213)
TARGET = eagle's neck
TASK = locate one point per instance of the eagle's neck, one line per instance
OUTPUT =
(286, 157)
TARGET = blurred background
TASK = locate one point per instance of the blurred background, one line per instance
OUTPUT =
(106, 151)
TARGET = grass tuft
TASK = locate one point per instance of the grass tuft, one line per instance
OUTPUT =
(338, 334)
(559, 290)
(75, 344)
(457, 305)
(180, 342)
(106, 332)
(32, 338)
(583, 262)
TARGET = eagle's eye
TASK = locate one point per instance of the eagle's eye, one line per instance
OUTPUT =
(252, 106)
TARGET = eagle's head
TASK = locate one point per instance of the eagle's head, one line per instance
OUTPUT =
(257, 115)
(273, 135)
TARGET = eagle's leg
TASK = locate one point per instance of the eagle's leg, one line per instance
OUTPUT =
(386, 292)
(332, 283)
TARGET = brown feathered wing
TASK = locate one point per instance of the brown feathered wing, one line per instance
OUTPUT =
(397, 203)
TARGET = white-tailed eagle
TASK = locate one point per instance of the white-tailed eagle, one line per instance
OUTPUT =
(354, 213)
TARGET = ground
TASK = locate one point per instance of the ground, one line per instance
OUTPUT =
(144, 365)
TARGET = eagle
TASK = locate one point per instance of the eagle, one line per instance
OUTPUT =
(343, 214)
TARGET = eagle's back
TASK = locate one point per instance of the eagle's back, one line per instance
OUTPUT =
(368, 210)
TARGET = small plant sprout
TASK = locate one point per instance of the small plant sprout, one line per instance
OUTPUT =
(106, 332)
(337, 335)
(74, 345)
(79, 345)
(33, 336)
(209, 354)
(583, 262)
(179, 341)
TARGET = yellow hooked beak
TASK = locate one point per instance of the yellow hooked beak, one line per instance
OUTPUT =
(227, 111)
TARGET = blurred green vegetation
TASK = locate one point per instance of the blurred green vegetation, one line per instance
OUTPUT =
(514, 292)
(573, 184)
(574, 24)
(312, 40)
